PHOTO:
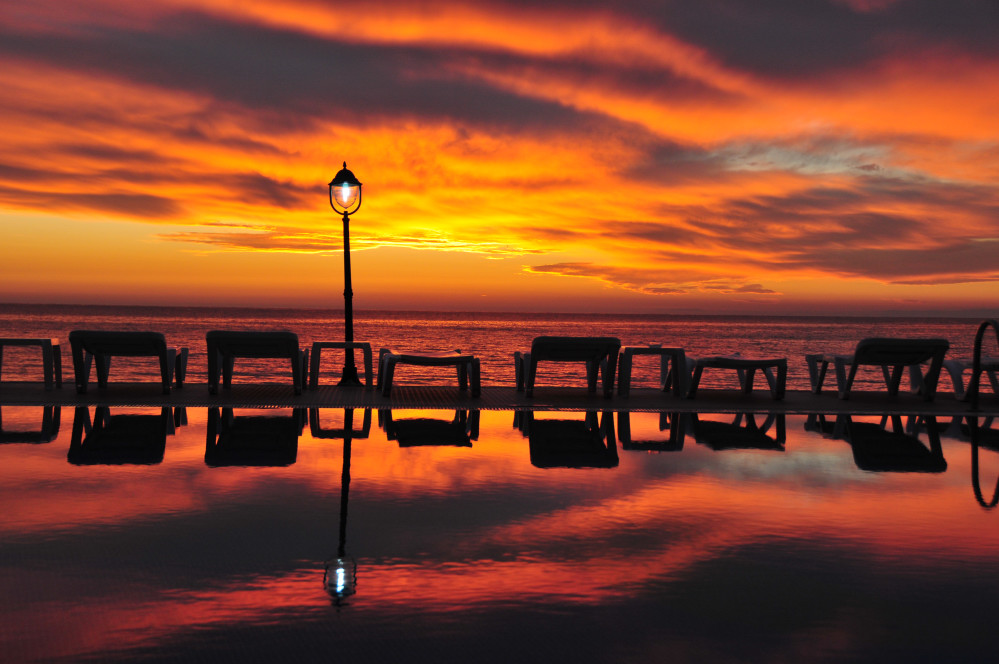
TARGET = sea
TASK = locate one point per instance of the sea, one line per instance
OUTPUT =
(493, 337)
(202, 534)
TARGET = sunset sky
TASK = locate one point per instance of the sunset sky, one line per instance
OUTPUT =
(720, 156)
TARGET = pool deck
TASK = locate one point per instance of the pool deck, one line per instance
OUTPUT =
(492, 398)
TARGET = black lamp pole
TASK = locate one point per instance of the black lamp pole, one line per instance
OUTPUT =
(345, 199)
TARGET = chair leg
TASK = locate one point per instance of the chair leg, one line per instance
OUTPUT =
(180, 371)
(213, 370)
(781, 387)
(366, 351)
(167, 361)
(896, 379)
(695, 380)
(476, 378)
(532, 371)
(592, 368)
(388, 371)
(609, 369)
(48, 362)
(314, 369)
(228, 362)
(624, 375)
(103, 362)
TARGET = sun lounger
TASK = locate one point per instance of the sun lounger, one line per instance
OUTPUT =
(892, 356)
(746, 369)
(467, 366)
(599, 354)
(224, 346)
(99, 346)
(958, 366)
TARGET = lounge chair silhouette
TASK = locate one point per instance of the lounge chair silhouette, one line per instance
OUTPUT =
(599, 354)
(892, 356)
(99, 346)
(224, 346)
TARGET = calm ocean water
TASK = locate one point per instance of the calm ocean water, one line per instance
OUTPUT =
(492, 336)
(199, 534)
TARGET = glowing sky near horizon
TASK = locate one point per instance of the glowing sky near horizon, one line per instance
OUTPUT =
(726, 156)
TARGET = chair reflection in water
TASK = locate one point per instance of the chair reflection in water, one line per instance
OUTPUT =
(888, 445)
(674, 423)
(459, 431)
(253, 440)
(45, 434)
(743, 433)
(124, 438)
(562, 443)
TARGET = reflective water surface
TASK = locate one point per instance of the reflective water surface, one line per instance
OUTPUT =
(263, 535)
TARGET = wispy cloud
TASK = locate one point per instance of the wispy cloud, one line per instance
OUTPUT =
(664, 149)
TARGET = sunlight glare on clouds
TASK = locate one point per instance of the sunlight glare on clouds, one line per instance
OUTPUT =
(664, 152)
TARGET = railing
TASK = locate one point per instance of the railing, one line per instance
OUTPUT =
(975, 471)
(976, 363)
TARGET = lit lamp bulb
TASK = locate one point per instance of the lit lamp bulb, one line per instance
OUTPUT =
(345, 192)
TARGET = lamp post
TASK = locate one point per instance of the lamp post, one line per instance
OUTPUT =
(345, 199)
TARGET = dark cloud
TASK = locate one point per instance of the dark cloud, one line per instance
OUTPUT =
(815, 38)
(296, 80)
(140, 206)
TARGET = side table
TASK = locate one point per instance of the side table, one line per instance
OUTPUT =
(673, 370)
(51, 358)
(319, 346)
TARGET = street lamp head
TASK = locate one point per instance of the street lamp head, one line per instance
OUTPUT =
(345, 192)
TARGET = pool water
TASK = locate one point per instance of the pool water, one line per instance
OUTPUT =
(265, 535)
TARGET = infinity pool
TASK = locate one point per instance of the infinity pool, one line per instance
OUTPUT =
(406, 536)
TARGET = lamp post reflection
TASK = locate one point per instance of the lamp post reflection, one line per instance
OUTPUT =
(340, 573)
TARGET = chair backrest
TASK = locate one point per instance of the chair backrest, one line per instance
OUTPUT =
(254, 343)
(574, 348)
(889, 351)
(115, 342)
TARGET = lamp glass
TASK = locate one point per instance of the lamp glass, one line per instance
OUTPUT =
(345, 194)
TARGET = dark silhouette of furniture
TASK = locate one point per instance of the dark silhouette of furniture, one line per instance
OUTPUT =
(467, 366)
(977, 365)
(347, 432)
(956, 368)
(459, 431)
(746, 369)
(99, 346)
(126, 438)
(45, 434)
(51, 358)
(224, 346)
(674, 423)
(674, 371)
(743, 433)
(319, 346)
(564, 443)
(892, 356)
(880, 448)
(599, 354)
(252, 440)
(982, 435)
